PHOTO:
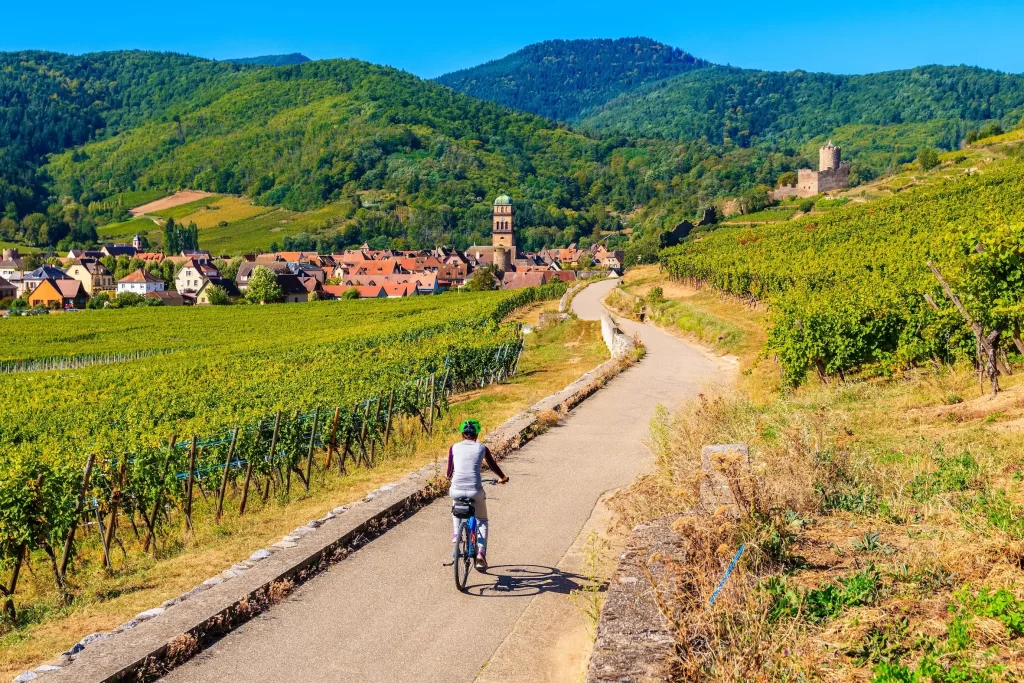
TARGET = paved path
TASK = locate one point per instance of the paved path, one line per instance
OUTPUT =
(391, 612)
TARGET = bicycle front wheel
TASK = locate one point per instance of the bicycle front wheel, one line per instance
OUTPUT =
(463, 557)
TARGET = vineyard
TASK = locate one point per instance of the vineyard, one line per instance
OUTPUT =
(852, 290)
(226, 409)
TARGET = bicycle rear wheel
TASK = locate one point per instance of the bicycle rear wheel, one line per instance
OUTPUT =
(463, 557)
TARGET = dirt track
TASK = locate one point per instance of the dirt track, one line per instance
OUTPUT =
(176, 199)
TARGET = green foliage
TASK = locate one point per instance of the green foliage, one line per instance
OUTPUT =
(824, 603)
(953, 473)
(847, 287)
(748, 106)
(483, 280)
(563, 79)
(806, 206)
(927, 159)
(262, 287)
(217, 296)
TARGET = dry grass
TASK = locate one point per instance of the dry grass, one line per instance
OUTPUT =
(913, 487)
(553, 359)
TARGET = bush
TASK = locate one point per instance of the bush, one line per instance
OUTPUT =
(806, 205)
(127, 299)
(927, 159)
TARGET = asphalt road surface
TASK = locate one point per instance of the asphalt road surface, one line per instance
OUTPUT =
(391, 612)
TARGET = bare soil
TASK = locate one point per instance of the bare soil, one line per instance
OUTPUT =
(176, 199)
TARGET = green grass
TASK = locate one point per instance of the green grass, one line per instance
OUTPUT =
(22, 248)
(128, 229)
(133, 198)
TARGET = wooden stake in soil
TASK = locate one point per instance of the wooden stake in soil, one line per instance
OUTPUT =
(333, 442)
(312, 443)
(288, 463)
(387, 426)
(362, 436)
(79, 504)
(8, 590)
(248, 475)
(273, 447)
(189, 483)
(152, 521)
(224, 478)
(115, 500)
(433, 392)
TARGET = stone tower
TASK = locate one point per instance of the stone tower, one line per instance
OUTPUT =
(137, 243)
(829, 157)
(503, 237)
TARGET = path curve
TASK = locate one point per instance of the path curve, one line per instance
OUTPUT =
(390, 612)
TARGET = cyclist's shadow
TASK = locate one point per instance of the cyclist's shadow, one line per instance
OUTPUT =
(518, 580)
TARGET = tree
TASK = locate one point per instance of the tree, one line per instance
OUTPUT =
(789, 178)
(351, 293)
(98, 301)
(927, 159)
(172, 245)
(217, 296)
(755, 199)
(127, 299)
(263, 287)
(483, 280)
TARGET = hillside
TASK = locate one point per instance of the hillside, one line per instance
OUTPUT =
(51, 101)
(563, 79)
(745, 106)
(270, 60)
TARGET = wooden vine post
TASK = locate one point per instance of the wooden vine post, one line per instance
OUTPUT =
(312, 444)
(152, 521)
(190, 482)
(273, 447)
(347, 450)
(433, 397)
(8, 590)
(332, 444)
(79, 504)
(387, 426)
(362, 436)
(288, 463)
(224, 478)
(248, 474)
(374, 436)
(115, 500)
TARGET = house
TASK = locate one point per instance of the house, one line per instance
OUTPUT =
(193, 275)
(229, 287)
(522, 280)
(76, 254)
(169, 297)
(7, 290)
(140, 282)
(11, 267)
(374, 268)
(246, 267)
(293, 288)
(365, 292)
(197, 255)
(150, 256)
(397, 290)
(452, 275)
(67, 293)
(32, 280)
(116, 250)
(93, 276)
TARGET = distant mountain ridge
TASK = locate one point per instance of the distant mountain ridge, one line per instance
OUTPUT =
(563, 79)
(638, 86)
(270, 60)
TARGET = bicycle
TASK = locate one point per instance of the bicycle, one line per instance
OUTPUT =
(465, 546)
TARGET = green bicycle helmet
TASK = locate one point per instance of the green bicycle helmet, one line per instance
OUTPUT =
(470, 428)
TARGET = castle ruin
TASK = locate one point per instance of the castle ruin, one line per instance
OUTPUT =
(833, 174)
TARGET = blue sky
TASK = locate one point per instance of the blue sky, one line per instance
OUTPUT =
(429, 39)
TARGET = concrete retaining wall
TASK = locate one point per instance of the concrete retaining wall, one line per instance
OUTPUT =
(619, 345)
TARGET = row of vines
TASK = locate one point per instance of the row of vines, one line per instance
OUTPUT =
(853, 290)
(259, 424)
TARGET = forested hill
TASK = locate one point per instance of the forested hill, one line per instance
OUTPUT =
(563, 79)
(271, 60)
(741, 105)
(51, 101)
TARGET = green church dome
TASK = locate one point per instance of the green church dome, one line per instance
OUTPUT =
(503, 200)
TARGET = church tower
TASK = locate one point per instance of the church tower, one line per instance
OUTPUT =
(503, 237)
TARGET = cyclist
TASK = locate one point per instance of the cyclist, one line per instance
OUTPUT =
(464, 462)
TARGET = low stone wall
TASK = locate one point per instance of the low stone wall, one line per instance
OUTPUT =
(634, 639)
(161, 638)
(618, 344)
(563, 303)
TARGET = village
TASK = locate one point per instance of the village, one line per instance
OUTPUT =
(197, 277)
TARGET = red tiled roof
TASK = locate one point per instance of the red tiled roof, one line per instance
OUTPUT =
(139, 276)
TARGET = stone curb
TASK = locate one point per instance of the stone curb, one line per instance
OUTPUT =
(161, 638)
